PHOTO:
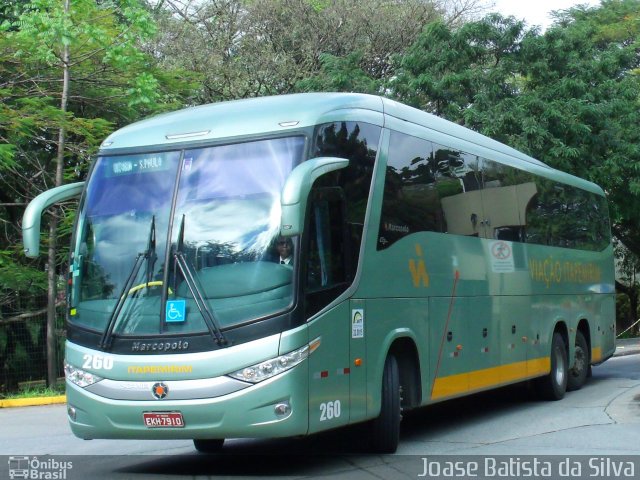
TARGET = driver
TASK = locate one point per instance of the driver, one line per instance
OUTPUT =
(284, 246)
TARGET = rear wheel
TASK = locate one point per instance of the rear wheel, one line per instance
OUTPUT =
(578, 373)
(208, 445)
(554, 385)
(385, 430)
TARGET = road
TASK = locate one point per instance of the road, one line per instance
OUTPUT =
(603, 418)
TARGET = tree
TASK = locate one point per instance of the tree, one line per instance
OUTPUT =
(245, 48)
(614, 33)
(449, 71)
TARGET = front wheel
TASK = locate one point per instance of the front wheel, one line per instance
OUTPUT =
(578, 373)
(385, 430)
(208, 445)
(554, 385)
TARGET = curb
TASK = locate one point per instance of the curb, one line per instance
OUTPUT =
(32, 402)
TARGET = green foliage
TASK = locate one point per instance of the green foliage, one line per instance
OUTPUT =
(7, 152)
(623, 306)
(340, 74)
(19, 279)
(112, 82)
(243, 48)
(448, 72)
(35, 391)
(144, 90)
(319, 5)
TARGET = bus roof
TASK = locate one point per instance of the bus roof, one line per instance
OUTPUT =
(275, 114)
(239, 118)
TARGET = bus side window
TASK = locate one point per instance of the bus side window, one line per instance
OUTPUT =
(328, 246)
(358, 142)
(459, 185)
(506, 193)
(560, 215)
(410, 203)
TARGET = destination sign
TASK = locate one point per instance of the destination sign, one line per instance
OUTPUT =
(138, 164)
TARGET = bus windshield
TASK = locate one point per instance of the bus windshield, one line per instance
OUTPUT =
(218, 208)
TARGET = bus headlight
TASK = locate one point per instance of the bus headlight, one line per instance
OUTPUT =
(275, 366)
(79, 377)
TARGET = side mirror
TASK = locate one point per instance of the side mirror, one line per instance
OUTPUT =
(297, 188)
(33, 214)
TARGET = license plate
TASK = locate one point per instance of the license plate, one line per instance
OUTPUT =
(163, 419)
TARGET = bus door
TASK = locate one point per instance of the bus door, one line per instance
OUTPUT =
(329, 370)
(325, 277)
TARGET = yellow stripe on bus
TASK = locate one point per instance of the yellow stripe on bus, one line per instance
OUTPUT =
(477, 380)
(596, 354)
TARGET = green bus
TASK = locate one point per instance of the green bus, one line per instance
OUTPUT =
(424, 262)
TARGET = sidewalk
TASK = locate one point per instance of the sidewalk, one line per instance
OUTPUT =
(627, 346)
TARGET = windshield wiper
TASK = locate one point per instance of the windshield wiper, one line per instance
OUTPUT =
(193, 283)
(151, 250)
(150, 256)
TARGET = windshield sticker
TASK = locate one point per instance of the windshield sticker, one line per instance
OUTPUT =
(357, 323)
(176, 310)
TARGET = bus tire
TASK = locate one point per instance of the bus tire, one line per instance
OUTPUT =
(385, 430)
(554, 385)
(213, 445)
(578, 373)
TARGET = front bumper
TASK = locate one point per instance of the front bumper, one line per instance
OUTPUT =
(249, 412)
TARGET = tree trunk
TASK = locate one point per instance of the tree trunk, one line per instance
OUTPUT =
(52, 291)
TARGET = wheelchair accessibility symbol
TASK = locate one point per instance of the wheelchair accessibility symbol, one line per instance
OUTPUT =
(176, 310)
